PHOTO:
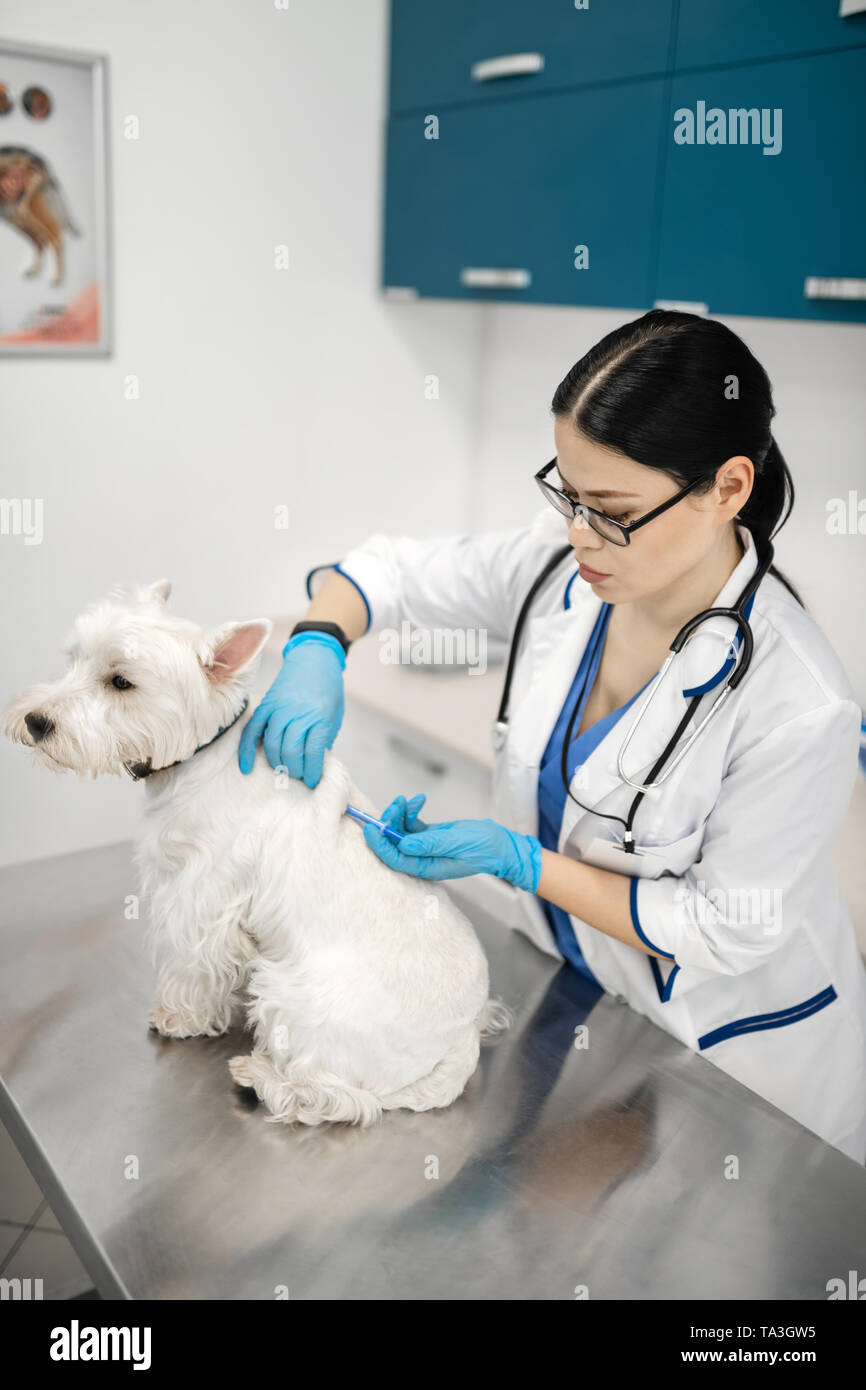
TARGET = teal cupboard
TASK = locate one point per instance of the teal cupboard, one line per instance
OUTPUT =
(539, 153)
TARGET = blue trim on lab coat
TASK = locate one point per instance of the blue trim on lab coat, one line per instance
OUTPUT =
(635, 921)
(336, 566)
(757, 1022)
(663, 986)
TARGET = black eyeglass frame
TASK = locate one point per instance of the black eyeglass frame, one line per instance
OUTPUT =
(624, 528)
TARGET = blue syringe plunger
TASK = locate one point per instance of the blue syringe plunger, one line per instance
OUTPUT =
(386, 829)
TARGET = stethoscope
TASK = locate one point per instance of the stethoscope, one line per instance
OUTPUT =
(744, 641)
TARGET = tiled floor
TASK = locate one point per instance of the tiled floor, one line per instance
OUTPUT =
(32, 1243)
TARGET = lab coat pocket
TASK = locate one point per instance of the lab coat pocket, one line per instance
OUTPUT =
(779, 995)
(803, 1057)
(652, 859)
(678, 853)
(776, 1018)
(657, 851)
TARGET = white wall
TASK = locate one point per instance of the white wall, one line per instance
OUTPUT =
(258, 387)
(261, 127)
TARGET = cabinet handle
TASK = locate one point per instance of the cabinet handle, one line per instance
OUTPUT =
(480, 277)
(510, 65)
(828, 287)
(405, 749)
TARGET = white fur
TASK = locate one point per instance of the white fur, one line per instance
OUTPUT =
(366, 990)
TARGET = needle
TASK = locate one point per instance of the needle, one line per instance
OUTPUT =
(371, 820)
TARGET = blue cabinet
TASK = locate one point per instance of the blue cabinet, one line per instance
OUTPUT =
(511, 189)
(565, 139)
(744, 30)
(742, 231)
(450, 51)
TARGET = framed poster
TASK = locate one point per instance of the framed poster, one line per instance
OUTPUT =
(54, 252)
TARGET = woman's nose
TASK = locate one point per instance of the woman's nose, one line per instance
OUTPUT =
(581, 533)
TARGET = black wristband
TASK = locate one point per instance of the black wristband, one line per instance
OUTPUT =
(333, 630)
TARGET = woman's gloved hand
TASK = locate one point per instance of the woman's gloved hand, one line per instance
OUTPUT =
(302, 712)
(455, 848)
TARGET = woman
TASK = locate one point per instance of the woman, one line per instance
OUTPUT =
(727, 926)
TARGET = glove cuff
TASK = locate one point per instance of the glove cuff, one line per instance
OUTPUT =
(325, 637)
(526, 872)
(532, 863)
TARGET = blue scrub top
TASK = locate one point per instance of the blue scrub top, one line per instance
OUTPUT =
(551, 791)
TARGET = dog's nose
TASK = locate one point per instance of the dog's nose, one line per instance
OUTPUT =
(38, 725)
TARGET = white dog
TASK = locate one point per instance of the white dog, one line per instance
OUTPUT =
(367, 990)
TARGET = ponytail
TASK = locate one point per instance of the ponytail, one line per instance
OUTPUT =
(769, 506)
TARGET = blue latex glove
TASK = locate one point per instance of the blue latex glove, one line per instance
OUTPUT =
(455, 848)
(301, 714)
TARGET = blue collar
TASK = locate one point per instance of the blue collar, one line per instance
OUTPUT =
(138, 771)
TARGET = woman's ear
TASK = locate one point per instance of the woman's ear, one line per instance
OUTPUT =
(232, 648)
(735, 480)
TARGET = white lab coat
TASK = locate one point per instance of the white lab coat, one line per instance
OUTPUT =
(761, 971)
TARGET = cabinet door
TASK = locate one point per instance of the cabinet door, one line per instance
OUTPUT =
(386, 759)
(516, 187)
(743, 30)
(435, 47)
(742, 231)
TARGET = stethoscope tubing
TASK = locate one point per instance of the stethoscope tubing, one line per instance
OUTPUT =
(743, 661)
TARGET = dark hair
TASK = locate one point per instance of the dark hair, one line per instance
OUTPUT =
(683, 394)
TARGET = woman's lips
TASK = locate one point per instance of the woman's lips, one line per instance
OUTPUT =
(592, 576)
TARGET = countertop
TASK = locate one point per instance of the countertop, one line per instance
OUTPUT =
(561, 1168)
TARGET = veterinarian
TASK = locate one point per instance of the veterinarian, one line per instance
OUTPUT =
(699, 888)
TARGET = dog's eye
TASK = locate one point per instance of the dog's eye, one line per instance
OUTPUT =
(121, 683)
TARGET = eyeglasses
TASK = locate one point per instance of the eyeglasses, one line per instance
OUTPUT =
(619, 532)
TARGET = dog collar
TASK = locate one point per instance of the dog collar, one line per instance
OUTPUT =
(138, 771)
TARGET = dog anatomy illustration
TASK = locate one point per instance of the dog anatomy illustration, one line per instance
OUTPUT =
(31, 201)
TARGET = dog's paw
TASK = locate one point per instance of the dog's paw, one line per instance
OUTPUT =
(241, 1069)
(171, 1023)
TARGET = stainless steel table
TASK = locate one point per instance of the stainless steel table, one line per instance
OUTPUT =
(561, 1168)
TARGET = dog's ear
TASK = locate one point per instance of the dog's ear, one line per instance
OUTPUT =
(143, 593)
(159, 591)
(233, 647)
